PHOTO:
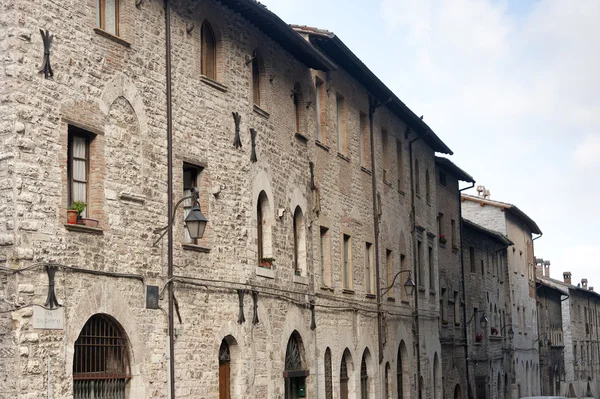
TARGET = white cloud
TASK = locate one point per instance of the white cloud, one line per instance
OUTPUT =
(587, 153)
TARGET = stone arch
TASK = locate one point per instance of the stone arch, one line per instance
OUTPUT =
(367, 375)
(299, 242)
(263, 201)
(122, 86)
(457, 392)
(105, 298)
(295, 365)
(437, 377)
(238, 370)
(403, 372)
(346, 374)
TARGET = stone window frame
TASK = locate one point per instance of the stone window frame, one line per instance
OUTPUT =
(346, 262)
(325, 256)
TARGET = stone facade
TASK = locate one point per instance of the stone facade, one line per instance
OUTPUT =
(114, 88)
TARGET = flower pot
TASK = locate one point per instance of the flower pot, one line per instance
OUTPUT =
(72, 216)
(90, 222)
(264, 264)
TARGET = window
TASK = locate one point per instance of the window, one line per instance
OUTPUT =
(344, 377)
(364, 379)
(321, 111)
(482, 268)
(417, 179)
(390, 273)
(78, 168)
(453, 233)
(101, 360)
(263, 227)
(387, 383)
(108, 16)
(399, 165)
(369, 269)
(328, 375)
(475, 322)
(431, 269)
(472, 259)
(298, 102)
(255, 78)
(442, 178)
(346, 262)
(400, 373)
(421, 276)
(456, 309)
(299, 242)
(342, 144)
(191, 176)
(427, 187)
(386, 156)
(403, 267)
(324, 245)
(440, 220)
(209, 51)
(224, 371)
(443, 312)
(364, 142)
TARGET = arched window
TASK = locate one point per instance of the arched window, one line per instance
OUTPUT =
(299, 242)
(224, 371)
(437, 387)
(101, 361)
(402, 374)
(344, 377)
(209, 51)
(457, 392)
(263, 230)
(387, 382)
(294, 374)
(364, 378)
(255, 78)
(427, 187)
(328, 375)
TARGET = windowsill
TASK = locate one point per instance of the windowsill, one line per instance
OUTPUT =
(387, 183)
(261, 112)
(323, 146)
(130, 197)
(300, 280)
(326, 288)
(422, 289)
(367, 171)
(370, 296)
(401, 192)
(345, 158)
(420, 228)
(404, 302)
(432, 292)
(80, 228)
(391, 299)
(347, 291)
(112, 37)
(195, 247)
(264, 272)
(301, 137)
(431, 235)
(495, 338)
(445, 325)
(213, 83)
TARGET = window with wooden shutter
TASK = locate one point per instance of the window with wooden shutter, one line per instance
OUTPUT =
(209, 51)
(78, 168)
(224, 371)
(255, 79)
(108, 16)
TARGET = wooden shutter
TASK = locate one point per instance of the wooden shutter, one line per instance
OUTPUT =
(209, 52)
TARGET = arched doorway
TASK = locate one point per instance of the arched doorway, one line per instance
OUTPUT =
(457, 392)
(101, 360)
(224, 371)
(345, 373)
(295, 374)
(402, 372)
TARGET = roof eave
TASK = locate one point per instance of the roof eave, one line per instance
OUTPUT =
(454, 170)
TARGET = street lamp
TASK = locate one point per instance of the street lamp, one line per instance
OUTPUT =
(483, 321)
(409, 285)
(195, 221)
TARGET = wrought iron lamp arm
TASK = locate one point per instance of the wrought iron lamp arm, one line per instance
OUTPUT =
(394, 280)
(473, 315)
(195, 195)
(503, 328)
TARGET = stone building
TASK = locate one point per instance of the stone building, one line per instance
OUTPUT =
(451, 270)
(550, 330)
(519, 228)
(309, 210)
(489, 323)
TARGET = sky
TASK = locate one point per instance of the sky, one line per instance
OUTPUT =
(511, 86)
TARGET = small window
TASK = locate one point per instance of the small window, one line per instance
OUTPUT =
(453, 232)
(209, 51)
(389, 265)
(421, 266)
(108, 16)
(443, 311)
(299, 243)
(386, 156)
(346, 262)
(443, 178)
(321, 111)
(472, 259)
(298, 100)
(324, 252)
(364, 142)
(399, 166)
(255, 78)
(78, 168)
(417, 179)
(427, 187)
(341, 124)
(191, 179)
(264, 221)
(482, 268)
(431, 269)
(403, 267)
(456, 309)
(440, 220)
(369, 269)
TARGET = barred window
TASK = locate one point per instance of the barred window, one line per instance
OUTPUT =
(101, 361)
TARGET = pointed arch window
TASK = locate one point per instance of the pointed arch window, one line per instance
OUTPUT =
(101, 360)
(344, 378)
(264, 221)
(224, 371)
(294, 374)
(209, 51)
(299, 242)
(364, 379)
(328, 375)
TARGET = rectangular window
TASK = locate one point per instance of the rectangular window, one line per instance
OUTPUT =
(191, 175)
(341, 124)
(389, 265)
(443, 315)
(346, 262)
(369, 269)
(78, 168)
(482, 268)
(364, 142)
(453, 233)
(399, 166)
(475, 322)
(456, 309)
(443, 178)
(417, 179)
(472, 259)
(386, 156)
(321, 97)
(325, 261)
(108, 16)
(431, 269)
(440, 220)
(421, 276)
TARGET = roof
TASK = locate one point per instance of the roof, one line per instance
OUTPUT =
(330, 44)
(494, 235)
(563, 287)
(454, 170)
(274, 27)
(510, 207)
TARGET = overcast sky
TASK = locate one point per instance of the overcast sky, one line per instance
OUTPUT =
(512, 87)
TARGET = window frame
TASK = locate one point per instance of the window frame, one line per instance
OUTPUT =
(101, 21)
(369, 269)
(347, 262)
(187, 204)
(204, 50)
(73, 133)
(255, 79)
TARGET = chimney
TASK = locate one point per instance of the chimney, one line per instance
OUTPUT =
(584, 283)
(567, 277)
(547, 268)
(591, 288)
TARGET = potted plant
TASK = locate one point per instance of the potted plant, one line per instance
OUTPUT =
(494, 331)
(91, 222)
(298, 272)
(74, 212)
(266, 262)
(479, 337)
(444, 322)
(443, 239)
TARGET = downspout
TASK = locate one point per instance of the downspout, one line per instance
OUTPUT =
(415, 257)
(462, 271)
(170, 199)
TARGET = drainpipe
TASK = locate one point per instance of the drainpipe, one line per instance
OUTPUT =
(462, 271)
(170, 200)
(415, 257)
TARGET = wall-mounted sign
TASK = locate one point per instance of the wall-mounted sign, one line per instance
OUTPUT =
(46, 319)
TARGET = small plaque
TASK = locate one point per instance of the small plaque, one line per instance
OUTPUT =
(45, 319)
